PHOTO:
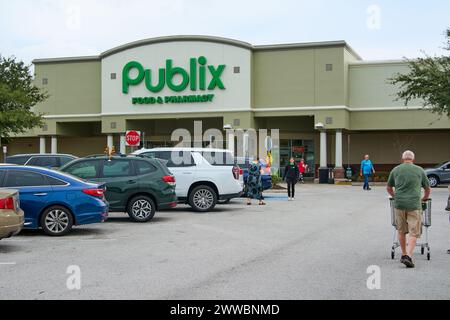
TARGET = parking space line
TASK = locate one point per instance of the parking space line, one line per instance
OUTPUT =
(58, 240)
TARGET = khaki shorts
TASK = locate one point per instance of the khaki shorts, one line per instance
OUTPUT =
(409, 222)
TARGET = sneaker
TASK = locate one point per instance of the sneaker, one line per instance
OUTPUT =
(407, 261)
(368, 189)
(289, 199)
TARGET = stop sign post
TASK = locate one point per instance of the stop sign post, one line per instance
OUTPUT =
(133, 138)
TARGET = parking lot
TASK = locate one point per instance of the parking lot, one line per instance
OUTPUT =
(316, 247)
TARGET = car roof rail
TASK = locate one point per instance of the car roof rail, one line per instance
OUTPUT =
(95, 156)
(104, 155)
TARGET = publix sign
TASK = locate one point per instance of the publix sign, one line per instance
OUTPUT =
(200, 78)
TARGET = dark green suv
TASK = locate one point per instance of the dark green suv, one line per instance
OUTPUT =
(136, 185)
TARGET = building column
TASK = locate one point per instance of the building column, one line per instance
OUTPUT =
(110, 141)
(338, 170)
(54, 144)
(323, 149)
(42, 145)
(230, 140)
(123, 149)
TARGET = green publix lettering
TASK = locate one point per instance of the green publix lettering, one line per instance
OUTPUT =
(197, 69)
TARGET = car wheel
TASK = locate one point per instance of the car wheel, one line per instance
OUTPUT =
(56, 221)
(433, 180)
(141, 209)
(202, 199)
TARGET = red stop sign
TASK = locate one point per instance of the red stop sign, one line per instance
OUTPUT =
(133, 138)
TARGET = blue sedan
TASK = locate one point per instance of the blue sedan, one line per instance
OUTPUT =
(54, 201)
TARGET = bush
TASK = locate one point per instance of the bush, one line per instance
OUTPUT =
(379, 176)
(276, 179)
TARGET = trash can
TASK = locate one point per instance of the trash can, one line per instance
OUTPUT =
(324, 174)
(349, 173)
(330, 176)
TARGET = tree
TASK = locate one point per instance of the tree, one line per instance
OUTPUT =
(18, 95)
(429, 80)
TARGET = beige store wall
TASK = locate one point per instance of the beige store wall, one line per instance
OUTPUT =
(74, 87)
(397, 120)
(297, 77)
(78, 146)
(23, 145)
(82, 147)
(387, 147)
(369, 87)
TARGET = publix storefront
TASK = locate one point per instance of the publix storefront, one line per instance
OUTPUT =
(330, 106)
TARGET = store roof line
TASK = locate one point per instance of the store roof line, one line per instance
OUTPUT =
(200, 38)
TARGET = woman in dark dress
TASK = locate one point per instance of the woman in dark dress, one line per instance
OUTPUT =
(253, 186)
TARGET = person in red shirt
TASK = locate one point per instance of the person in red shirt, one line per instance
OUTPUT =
(302, 167)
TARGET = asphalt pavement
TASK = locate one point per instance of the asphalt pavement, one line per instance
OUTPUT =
(320, 246)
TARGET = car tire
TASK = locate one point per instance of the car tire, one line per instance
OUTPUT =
(433, 180)
(202, 198)
(56, 221)
(141, 209)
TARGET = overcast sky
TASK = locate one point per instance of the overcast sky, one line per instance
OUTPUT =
(384, 29)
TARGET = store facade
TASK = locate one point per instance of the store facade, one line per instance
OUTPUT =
(330, 106)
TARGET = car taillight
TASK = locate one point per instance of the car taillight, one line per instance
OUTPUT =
(241, 172)
(236, 172)
(94, 192)
(7, 203)
(169, 179)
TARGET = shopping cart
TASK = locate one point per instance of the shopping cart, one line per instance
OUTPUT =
(426, 222)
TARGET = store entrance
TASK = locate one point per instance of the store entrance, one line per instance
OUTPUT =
(298, 149)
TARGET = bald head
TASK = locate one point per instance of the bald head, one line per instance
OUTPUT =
(408, 156)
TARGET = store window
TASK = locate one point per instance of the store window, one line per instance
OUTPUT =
(298, 149)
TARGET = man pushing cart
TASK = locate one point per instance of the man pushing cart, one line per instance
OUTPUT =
(426, 222)
(405, 185)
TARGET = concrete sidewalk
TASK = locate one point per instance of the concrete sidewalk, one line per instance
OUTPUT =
(283, 185)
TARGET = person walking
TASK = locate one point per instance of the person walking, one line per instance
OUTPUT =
(291, 174)
(302, 167)
(405, 184)
(253, 186)
(366, 171)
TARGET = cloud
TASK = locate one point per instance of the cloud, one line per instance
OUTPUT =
(53, 28)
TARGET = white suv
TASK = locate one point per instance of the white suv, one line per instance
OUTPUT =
(203, 175)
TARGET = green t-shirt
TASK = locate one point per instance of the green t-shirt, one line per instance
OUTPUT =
(407, 179)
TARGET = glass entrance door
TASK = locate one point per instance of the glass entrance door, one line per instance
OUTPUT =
(298, 149)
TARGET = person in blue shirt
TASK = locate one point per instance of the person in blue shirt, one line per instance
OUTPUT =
(367, 170)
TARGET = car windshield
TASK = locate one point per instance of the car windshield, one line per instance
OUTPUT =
(441, 164)
(68, 175)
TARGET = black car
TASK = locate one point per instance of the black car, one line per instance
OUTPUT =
(137, 185)
(41, 160)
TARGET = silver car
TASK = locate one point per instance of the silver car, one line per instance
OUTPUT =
(439, 174)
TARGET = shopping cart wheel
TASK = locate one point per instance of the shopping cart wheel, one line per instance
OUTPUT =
(422, 250)
(392, 254)
(428, 256)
